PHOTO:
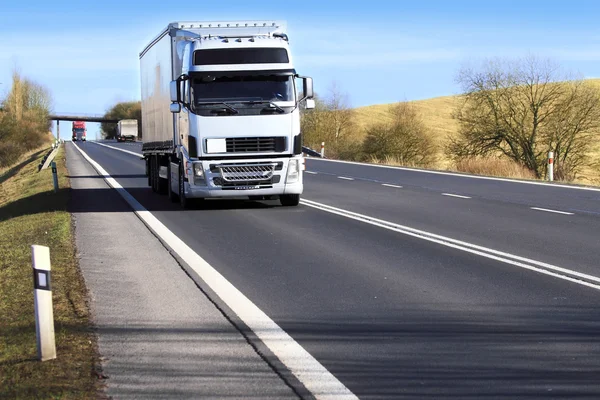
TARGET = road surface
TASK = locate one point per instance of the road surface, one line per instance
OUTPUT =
(407, 284)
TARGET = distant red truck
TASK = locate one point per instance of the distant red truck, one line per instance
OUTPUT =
(79, 131)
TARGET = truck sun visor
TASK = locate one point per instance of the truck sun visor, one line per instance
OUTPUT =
(241, 56)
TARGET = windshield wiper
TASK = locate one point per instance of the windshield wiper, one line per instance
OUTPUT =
(273, 105)
(228, 106)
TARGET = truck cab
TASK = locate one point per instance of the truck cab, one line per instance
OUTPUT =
(79, 131)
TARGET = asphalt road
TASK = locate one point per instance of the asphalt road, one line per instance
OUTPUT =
(395, 316)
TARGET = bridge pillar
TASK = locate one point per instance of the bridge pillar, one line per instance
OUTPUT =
(58, 129)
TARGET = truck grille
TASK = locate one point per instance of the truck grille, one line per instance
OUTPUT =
(246, 172)
(255, 144)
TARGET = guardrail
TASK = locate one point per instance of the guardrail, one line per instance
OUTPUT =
(45, 163)
(310, 152)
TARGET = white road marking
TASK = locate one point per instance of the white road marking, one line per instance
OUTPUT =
(455, 195)
(460, 175)
(310, 172)
(552, 211)
(392, 186)
(345, 178)
(316, 378)
(117, 148)
(522, 262)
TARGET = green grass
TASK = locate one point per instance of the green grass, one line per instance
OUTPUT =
(437, 116)
(31, 213)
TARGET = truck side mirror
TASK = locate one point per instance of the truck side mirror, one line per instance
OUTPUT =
(308, 88)
(174, 91)
(310, 104)
(175, 108)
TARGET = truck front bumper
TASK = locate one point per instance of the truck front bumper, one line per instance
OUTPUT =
(213, 185)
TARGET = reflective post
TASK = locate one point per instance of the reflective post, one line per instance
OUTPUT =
(54, 176)
(42, 297)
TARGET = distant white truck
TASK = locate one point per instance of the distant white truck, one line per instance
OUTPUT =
(127, 129)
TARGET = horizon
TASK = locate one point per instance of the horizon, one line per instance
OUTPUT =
(87, 56)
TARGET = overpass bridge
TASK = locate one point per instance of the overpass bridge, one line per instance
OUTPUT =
(78, 117)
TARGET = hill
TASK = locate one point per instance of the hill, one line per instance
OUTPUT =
(437, 116)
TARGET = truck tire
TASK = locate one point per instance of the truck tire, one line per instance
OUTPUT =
(161, 183)
(148, 172)
(289, 200)
(154, 173)
(174, 197)
(183, 201)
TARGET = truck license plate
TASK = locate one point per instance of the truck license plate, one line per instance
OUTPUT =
(247, 187)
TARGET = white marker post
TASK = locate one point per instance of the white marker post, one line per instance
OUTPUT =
(42, 296)
(550, 166)
(54, 176)
(322, 149)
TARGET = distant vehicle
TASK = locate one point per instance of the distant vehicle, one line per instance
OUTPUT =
(221, 112)
(79, 131)
(127, 129)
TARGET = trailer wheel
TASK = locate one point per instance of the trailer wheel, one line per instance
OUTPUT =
(161, 183)
(148, 171)
(154, 173)
(289, 200)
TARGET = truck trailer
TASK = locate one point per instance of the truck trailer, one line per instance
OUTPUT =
(221, 112)
(78, 131)
(127, 129)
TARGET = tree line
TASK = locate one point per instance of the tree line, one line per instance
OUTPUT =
(24, 123)
(517, 110)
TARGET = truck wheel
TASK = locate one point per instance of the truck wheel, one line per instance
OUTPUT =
(154, 173)
(148, 172)
(183, 201)
(289, 200)
(161, 183)
(174, 197)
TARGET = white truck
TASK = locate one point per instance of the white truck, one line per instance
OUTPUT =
(221, 112)
(127, 129)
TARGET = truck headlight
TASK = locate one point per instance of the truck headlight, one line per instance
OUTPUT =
(293, 172)
(198, 171)
(198, 174)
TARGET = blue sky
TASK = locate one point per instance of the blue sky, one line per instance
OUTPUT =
(376, 51)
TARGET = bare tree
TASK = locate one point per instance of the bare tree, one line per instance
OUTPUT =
(24, 123)
(340, 114)
(332, 121)
(522, 110)
(404, 139)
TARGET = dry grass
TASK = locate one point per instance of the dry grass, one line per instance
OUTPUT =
(437, 116)
(31, 213)
(493, 167)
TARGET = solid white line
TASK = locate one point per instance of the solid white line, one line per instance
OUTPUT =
(346, 178)
(316, 378)
(116, 148)
(522, 262)
(460, 175)
(455, 195)
(310, 172)
(552, 211)
(392, 186)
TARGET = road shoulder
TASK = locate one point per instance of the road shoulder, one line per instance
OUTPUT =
(158, 334)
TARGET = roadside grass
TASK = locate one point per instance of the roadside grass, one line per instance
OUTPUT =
(31, 213)
(493, 167)
(441, 126)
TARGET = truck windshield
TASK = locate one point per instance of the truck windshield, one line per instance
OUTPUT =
(239, 89)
